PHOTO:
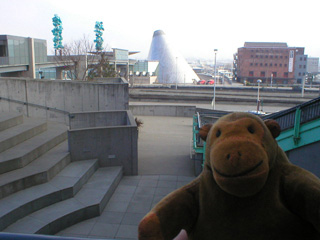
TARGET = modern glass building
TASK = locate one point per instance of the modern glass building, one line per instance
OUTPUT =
(16, 50)
(147, 67)
(27, 57)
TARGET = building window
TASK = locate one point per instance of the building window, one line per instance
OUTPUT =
(300, 58)
(261, 56)
(286, 74)
(257, 56)
(266, 56)
(262, 74)
(270, 65)
(304, 66)
(285, 65)
(251, 74)
(260, 64)
(274, 74)
(271, 56)
(266, 64)
(256, 64)
(251, 64)
(3, 49)
(276, 56)
(280, 65)
(276, 64)
(299, 74)
(286, 57)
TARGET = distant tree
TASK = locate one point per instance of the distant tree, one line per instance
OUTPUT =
(102, 69)
(83, 62)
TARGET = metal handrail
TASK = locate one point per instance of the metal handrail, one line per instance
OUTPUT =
(309, 111)
(34, 105)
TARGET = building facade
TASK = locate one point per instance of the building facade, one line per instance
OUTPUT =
(27, 57)
(313, 65)
(18, 55)
(273, 63)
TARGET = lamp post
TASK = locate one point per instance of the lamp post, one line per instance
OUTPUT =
(215, 79)
(176, 73)
(258, 97)
(302, 85)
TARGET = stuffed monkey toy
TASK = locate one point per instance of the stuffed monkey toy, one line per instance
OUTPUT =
(247, 190)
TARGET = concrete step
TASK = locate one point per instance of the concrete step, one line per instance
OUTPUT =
(87, 203)
(37, 172)
(25, 152)
(63, 186)
(10, 119)
(20, 133)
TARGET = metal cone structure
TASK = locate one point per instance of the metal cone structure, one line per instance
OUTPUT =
(173, 68)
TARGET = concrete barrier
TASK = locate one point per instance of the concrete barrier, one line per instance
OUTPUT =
(163, 110)
(110, 136)
(54, 99)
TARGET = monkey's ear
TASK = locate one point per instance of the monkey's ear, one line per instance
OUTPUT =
(273, 127)
(204, 130)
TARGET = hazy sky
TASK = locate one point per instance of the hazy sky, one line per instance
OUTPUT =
(195, 28)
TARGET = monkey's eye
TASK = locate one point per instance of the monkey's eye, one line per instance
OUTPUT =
(218, 133)
(251, 129)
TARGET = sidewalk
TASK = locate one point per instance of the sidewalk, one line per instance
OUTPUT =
(164, 165)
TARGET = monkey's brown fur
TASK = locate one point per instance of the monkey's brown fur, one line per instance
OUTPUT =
(248, 190)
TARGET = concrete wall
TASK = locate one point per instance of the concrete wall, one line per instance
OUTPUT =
(106, 136)
(98, 119)
(162, 110)
(54, 100)
(142, 79)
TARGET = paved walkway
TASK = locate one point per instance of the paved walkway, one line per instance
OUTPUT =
(164, 165)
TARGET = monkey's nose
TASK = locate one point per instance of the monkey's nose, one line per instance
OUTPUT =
(234, 158)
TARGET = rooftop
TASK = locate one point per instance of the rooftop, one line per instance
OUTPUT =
(265, 45)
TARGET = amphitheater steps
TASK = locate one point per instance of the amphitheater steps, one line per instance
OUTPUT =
(22, 132)
(63, 186)
(41, 189)
(87, 203)
(22, 154)
(10, 119)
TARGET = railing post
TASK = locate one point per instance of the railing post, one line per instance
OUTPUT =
(296, 136)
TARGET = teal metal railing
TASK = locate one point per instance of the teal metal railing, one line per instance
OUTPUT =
(300, 125)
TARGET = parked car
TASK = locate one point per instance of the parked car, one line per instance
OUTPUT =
(257, 112)
(201, 82)
(210, 82)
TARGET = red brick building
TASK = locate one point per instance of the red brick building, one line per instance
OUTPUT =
(270, 62)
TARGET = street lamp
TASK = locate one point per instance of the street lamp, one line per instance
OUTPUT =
(215, 79)
(176, 73)
(258, 97)
(302, 84)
